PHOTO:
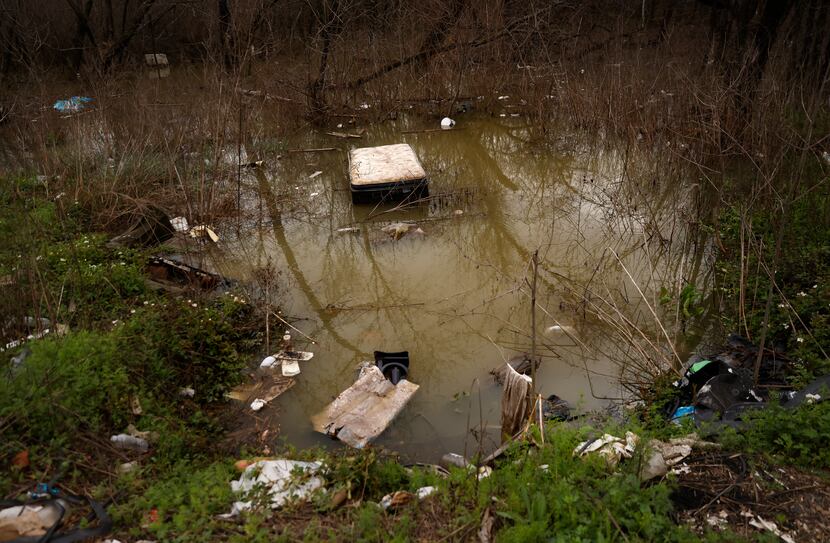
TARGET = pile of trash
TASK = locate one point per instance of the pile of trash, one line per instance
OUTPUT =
(721, 389)
(287, 481)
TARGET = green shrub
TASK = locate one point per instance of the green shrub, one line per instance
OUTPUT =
(796, 436)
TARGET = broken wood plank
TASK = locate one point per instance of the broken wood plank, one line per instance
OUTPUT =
(428, 130)
(364, 410)
(344, 135)
(316, 150)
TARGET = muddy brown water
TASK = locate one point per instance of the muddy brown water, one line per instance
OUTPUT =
(457, 296)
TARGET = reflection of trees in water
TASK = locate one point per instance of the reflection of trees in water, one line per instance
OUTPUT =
(529, 199)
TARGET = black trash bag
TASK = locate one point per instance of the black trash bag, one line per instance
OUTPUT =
(820, 387)
(555, 408)
(725, 390)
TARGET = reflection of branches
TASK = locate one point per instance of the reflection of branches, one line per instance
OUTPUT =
(279, 236)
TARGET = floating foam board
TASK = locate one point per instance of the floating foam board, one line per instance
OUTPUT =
(364, 410)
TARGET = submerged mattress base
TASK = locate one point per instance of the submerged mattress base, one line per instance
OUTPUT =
(399, 190)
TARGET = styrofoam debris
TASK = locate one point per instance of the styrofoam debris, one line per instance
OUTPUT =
(278, 476)
(290, 367)
(258, 404)
(179, 224)
(612, 448)
(268, 362)
(770, 526)
(424, 491)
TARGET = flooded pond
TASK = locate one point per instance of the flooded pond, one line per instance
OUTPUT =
(456, 293)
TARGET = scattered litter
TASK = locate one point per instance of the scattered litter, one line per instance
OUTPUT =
(402, 497)
(135, 405)
(20, 358)
(458, 212)
(264, 387)
(516, 402)
(396, 499)
(505, 97)
(315, 174)
(28, 520)
(812, 398)
(770, 526)
(425, 491)
(125, 441)
(199, 232)
(681, 469)
(682, 412)
(155, 59)
(151, 227)
(719, 520)
(348, 230)
(187, 392)
(363, 411)
(502, 114)
(313, 194)
(166, 273)
(258, 404)
(72, 105)
(135, 432)
(60, 329)
(127, 467)
(612, 448)
(400, 229)
(454, 459)
(447, 123)
(180, 224)
(364, 106)
(288, 359)
(484, 472)
(290, 368)
(280, 478)
(665, 455)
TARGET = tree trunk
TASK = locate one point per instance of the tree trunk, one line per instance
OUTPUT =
(330, 28)
(226, 35)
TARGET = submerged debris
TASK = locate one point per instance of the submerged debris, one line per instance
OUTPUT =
(166, 272)
(400, 229)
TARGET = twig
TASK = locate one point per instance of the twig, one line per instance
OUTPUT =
(285, 322)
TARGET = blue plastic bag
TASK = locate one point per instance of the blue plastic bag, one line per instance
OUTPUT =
(73, 105)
